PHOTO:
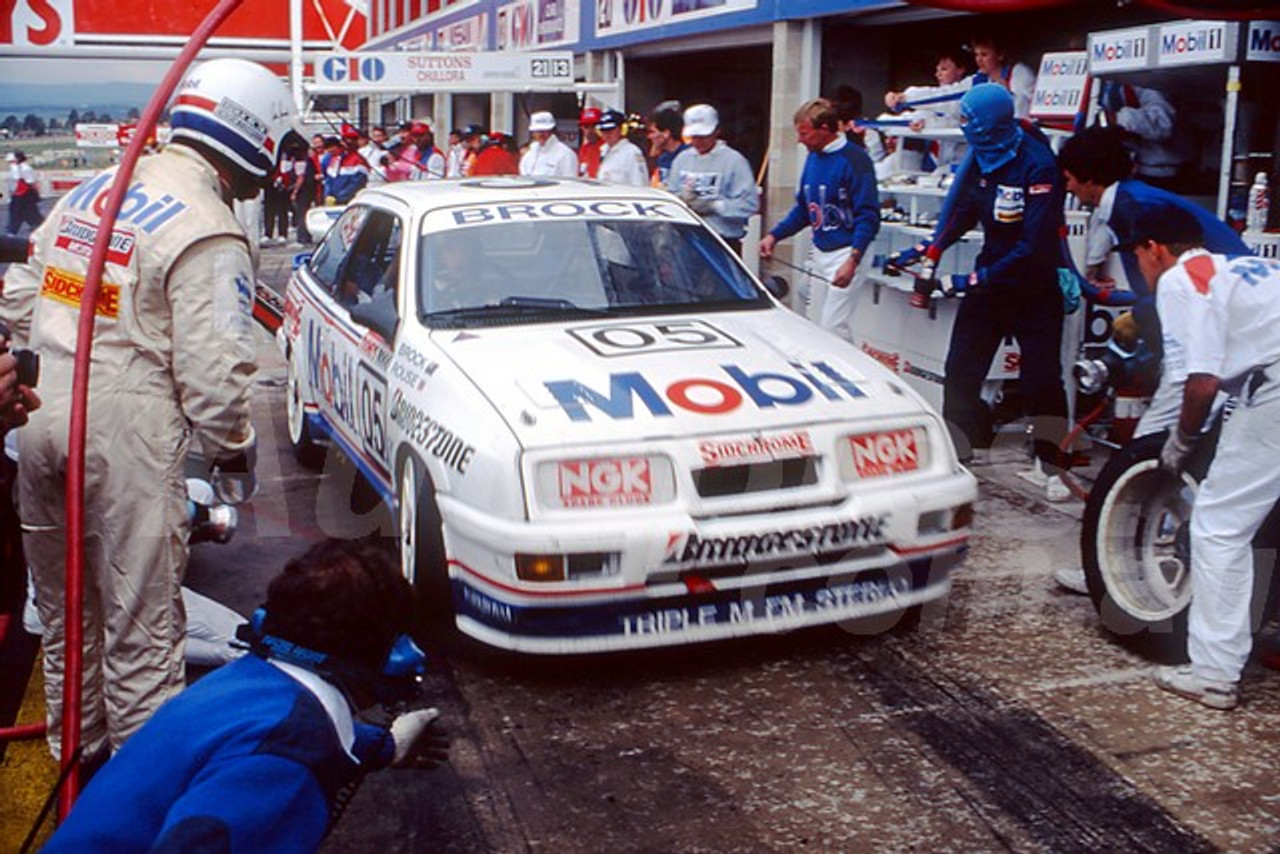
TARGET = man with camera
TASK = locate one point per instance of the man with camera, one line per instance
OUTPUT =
(18, 398)
(174, 356)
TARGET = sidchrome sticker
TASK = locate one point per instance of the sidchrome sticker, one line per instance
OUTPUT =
(68, 288)
(887, 452)
(756, 449)
(77, 236)
(691, 549)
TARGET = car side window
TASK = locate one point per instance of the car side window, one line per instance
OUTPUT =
(372, 265)
(359, 260)
(331, 256)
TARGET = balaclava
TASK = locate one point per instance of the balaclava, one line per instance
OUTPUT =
(989, 127)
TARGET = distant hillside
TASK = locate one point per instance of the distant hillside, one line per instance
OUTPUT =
(55, 101)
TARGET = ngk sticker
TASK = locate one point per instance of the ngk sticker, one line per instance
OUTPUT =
(605, 483)
(888, 452)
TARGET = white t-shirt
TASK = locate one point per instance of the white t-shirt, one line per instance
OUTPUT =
(1220, 316)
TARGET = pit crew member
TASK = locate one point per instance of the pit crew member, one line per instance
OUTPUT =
(174, 360)
(1221, 331)
(838, 199)
(252, 756)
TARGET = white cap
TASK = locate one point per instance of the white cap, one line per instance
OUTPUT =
(9, 158)
(542, 121)
(701, 120)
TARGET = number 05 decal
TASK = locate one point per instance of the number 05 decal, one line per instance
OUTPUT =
(627, 339)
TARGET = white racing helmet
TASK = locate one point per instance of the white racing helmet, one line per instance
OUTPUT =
(236, 107)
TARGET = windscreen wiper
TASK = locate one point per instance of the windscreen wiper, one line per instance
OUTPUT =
(517, 306)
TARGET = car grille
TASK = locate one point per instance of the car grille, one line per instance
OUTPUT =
(768, 476)
(763, 568)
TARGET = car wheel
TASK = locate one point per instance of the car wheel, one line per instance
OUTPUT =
(1136, 549)
(421, 539)
(306, 449)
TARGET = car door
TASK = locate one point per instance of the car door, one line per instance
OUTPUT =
(355, 270)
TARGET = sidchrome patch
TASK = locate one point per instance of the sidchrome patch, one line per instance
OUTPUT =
(68, 288)
(756, 449)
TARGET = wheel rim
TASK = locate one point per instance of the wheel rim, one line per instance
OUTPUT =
(1143, 549)
(408, 500)
(294, 413)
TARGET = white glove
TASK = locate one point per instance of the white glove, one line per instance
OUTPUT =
(232, 478)
(1175, 451)
(420, 741)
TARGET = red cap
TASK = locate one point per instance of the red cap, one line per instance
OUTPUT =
(589, 116)
(419, 127)
(349, 132)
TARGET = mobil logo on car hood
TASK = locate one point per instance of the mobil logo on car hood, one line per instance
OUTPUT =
(602, 380)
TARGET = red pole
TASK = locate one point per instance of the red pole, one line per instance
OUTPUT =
(73, 665)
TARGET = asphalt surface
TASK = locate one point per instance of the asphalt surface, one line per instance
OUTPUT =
(1010, 720)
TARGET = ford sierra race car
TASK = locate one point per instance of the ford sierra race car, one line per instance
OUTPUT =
(597, 431)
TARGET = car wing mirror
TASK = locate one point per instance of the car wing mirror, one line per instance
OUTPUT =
(379, 315)
(777, 287)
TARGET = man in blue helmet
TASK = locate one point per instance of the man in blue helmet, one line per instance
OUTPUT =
(1009, 184)
(174, 357)
(251, 757)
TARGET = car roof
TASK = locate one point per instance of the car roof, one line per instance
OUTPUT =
(424, 196)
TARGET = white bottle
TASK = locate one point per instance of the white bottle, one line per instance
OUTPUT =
(1259, 204)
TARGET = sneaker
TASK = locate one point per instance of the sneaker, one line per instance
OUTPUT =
(1055, 490)
(1207, 692)
(1071, 578)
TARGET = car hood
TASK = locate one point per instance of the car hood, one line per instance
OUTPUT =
(601, 381)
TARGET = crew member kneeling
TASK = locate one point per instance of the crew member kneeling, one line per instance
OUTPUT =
(250, 758)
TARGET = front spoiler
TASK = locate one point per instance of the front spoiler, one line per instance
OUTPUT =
(639, 622)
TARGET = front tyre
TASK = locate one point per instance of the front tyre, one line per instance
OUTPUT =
(421, 544)
(1136, 548)
(306, 450)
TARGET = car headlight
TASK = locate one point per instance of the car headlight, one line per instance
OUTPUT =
(884, 453)
(605, 482)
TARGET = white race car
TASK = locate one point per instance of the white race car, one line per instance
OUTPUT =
(598, 432)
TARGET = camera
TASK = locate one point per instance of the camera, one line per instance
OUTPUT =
(1112, 365)
(28, 361)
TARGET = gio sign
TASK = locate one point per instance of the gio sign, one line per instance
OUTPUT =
(344, 69)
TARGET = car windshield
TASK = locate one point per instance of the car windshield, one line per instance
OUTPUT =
(517, 272)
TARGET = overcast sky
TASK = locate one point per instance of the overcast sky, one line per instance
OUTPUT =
(64, 71)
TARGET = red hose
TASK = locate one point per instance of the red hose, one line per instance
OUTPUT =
(993, 6)
(1224, 10)
(74, 617)
(1065, 446)
(1221, 10)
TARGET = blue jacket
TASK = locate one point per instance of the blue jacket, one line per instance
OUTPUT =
(1134, 196)
(1019, 207)
(246, 760)
(837, 198)
(345, 177)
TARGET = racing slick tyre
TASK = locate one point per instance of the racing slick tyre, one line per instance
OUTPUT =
(1136, 548)
(421, 538)
(306, 450)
